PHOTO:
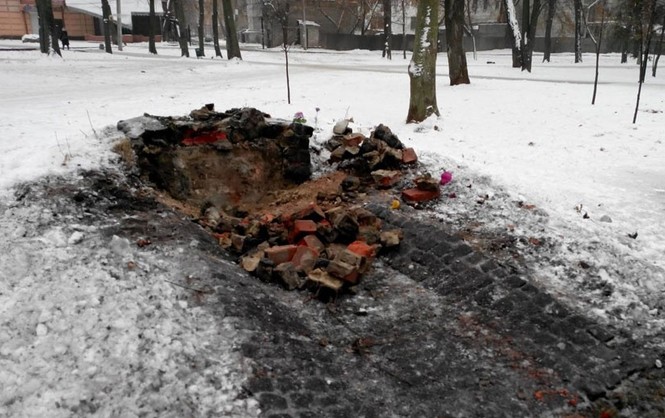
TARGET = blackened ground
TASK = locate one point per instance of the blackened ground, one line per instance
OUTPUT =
(435, 330)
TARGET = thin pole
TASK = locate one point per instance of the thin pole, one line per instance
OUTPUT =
(304, 25)
(119, 23)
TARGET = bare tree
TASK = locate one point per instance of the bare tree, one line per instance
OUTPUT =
(232, 46)
(659, 48)
(215, 28)
(598, 42)
(551, 11)
(47, 31)
(151, 28)
(454, 20)
(530, 14)
(106, 16)
(649, 15)
(511, 17)
(181, 27)
(422, 68)
(579, 31)
(387, 28)
(200, 33)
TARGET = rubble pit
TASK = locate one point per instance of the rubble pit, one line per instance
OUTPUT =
(247, 178)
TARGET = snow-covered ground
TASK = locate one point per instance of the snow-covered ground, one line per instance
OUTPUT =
(510, 137)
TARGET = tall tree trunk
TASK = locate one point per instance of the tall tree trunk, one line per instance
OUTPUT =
(551, 10)
(232, 46)
(200, 31)
(106, 17)
(285, 47)
(182, 28)
(454, 20)
(645, 50)
(151, 28)
(48, 38)
(403, 30)
(529, 34)
(578, 30)
(516, 37)
(387, 28)
(598, 45)
(422, 68)
(659, 49)
(215, 28)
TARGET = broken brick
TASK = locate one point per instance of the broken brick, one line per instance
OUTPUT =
(409, 156)
(417, 195)
(251, 262)
(302, 227)
(353, 140)
(343, 271)
(362, 249)
(312, 242)
(304, 258)
(281, 253)
(386, 178)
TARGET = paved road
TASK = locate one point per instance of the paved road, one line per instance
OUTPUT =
(435, 330)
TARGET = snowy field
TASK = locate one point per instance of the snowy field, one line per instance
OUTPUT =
(509, 137)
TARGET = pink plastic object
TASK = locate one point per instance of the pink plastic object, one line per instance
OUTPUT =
(446, 178)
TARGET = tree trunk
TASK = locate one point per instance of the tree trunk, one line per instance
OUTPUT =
(551, 10)
(387, 28)
(285, 46)
(454, 20)
(515, 35)
(151, 28)
(106, 17)
(200, 31)
(578, 30)
(215, 28)
(48, 38)
(529, 34)
(422, 68)
(182, 31)
(598, 45)
(403, 30)
(232, 46)
(645, 52)
(659, 49)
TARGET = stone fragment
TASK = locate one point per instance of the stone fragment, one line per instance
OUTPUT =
(417, 195)
(384, 133)
(251, 261)
(350, 183)
(391, 238)
(344, 223)
(370, 234)
(343, 271)
(605, 218)
(386, 178)
(321, 278)
(265, 269)
(341, 127)
(426, 182)
(238, 242)
(281, 253)
(288, 276)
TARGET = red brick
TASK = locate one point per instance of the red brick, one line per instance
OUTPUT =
(417, 195)
(302, 227)
(312, 242)
(386, 178)
(361, 248)
(409, 156)
(304, 258)
(281, 253)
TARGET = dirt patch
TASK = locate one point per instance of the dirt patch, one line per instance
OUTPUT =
(247, 178)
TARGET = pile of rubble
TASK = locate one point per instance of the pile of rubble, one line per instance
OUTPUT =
(247, 177)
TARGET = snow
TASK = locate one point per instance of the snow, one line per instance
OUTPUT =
(509, 136)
